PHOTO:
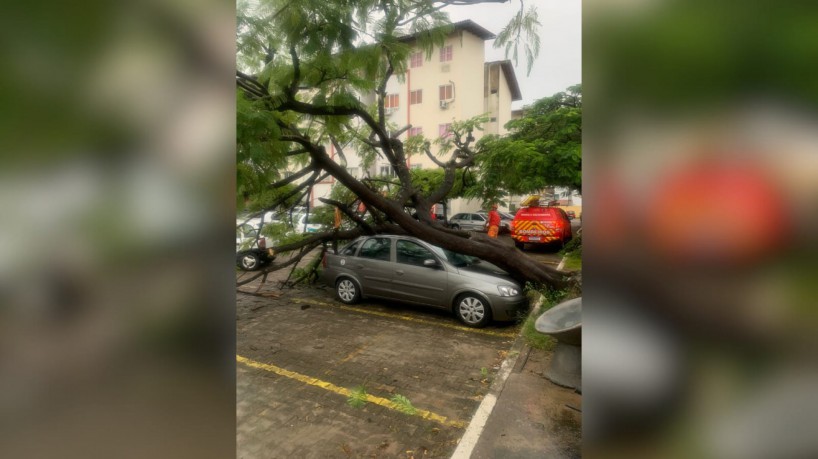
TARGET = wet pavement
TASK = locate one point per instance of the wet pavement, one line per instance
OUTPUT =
(533, 417)
(303, 357)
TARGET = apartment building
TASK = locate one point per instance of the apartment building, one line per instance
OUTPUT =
(454, 83)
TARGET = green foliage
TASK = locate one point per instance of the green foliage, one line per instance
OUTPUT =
(463, 130)
(543, 148)
(521, 30)
(574, 246)
(428, 180)
(403, 404)
(357, 397)
(309, 71)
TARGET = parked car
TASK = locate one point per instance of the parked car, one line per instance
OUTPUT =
(302, 224)
(571, 214)
(540, 225)
(407, 269)
(505, 220)
(469, 221)
(251, 249)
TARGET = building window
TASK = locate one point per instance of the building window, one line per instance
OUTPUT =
(415, 131)
(416, 97)
(386, 170)
(353, 171)
(391, 101)
(446, 53)
(444, 130)
(417, 60)
(446, 92)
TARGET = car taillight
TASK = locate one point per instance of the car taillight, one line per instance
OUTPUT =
(262, 242)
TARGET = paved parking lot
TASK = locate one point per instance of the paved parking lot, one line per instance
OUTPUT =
(301, 355)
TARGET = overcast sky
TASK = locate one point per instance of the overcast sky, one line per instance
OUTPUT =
(559, 64)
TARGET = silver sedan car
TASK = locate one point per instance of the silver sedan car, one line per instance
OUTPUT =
(407, 269)
(475, 221)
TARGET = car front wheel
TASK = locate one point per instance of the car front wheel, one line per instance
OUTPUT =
(472, 310)
(348, 291)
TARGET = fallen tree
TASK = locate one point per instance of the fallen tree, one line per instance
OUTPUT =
(303, 96)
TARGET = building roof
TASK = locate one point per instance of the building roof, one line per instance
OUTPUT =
(467, 25)
(511, 78)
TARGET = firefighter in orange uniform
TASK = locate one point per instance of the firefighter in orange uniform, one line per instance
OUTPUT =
(494, 221)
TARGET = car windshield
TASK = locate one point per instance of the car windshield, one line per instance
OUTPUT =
(457, 259)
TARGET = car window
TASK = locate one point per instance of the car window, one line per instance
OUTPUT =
(247, 229)
(350, 249)
(376, 248)
(460, 217)
(456, 259)
(411, 253)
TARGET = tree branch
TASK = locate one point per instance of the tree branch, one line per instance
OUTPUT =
(352, 216)
(293, 89)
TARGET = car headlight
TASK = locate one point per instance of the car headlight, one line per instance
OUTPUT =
(506, 290)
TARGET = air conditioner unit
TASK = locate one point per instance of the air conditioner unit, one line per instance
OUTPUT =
(443, 104)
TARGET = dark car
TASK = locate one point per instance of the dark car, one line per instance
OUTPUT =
(251, 248)
(407, 269)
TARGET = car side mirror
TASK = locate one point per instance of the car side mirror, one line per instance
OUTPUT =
(431, 263)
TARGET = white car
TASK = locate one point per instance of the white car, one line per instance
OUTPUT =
(303, 225)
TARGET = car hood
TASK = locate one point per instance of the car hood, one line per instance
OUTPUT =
(486, 271)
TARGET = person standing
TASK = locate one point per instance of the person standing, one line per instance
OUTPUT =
(494, 222)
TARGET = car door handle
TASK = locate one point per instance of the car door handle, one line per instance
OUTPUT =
(399, 272)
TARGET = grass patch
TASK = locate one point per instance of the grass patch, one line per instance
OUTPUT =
(550, 297)
(573, 254)
(403, 404)
(534, 338)
(573, 261)
(357, 397)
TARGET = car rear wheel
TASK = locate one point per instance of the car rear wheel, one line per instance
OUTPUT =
(519, 245)
(472, 310)
(248, 261)
(347, 291)
(456, 226)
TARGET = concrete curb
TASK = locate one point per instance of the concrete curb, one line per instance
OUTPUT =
(468, 441)
(562, 263)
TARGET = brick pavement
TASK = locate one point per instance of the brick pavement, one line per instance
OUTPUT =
(438, 369)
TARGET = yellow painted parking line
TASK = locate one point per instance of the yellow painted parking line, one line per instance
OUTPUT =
(410, 319)
(443, 420)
